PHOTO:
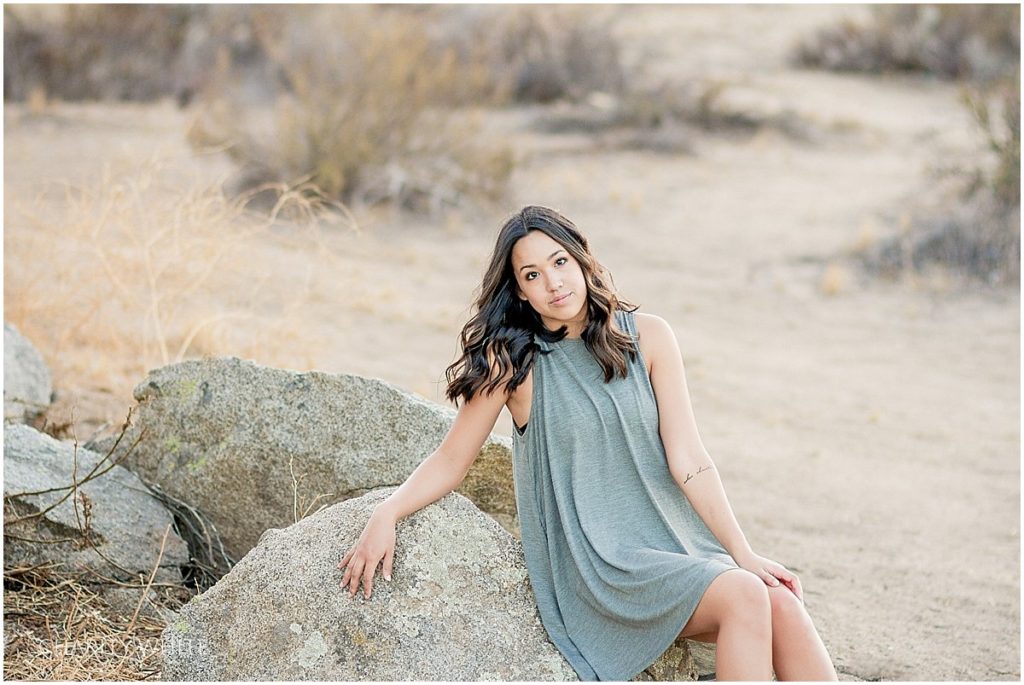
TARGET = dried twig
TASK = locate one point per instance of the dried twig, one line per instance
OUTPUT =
(306, 511)
(145, 591)
(296, 500)
(206, 548)
(83, 518)
(94, 473)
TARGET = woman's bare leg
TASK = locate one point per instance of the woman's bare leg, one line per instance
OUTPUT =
(797, 650)
(736, 607)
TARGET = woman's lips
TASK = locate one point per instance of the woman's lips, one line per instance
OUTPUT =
(561, 299)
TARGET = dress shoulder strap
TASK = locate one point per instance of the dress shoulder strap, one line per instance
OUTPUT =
(627, 323)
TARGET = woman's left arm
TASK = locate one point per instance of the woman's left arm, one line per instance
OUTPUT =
(689, 462)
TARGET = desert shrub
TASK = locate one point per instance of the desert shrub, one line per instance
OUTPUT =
(533, 53)
(362, 116)
(367, 104)
(978, 238)
(977, 241)
(977, 42)
(79, 52)
(1001, 130)
(979, 45)
(503, 54)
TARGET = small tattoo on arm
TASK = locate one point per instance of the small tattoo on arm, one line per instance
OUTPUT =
(691, 475)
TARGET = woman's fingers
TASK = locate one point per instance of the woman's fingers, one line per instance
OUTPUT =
(389, 558)
(768, 576)
(368, 580)
(797, 589)
(344, 559)
(352, 575)
(789, 579)
(359, 570)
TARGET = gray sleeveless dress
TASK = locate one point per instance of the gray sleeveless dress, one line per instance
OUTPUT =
(616, 554)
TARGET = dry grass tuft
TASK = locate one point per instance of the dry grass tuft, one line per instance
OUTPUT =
(150, 273)
(58, 625)
(65, 624)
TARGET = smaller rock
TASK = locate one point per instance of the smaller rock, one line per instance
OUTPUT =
(125, 523)
(27, 385)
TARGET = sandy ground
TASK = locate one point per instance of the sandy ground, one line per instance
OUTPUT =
(868, 439)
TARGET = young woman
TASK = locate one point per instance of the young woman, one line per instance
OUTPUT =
(628, 536)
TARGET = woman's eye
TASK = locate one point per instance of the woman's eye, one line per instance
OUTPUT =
(558, 262)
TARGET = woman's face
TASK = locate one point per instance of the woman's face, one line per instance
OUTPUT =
(551, 280)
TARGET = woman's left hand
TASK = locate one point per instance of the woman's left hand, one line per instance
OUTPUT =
(772, 573)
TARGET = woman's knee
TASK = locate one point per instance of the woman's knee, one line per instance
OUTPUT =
(746, 597)
(735, 596)
(787, 609)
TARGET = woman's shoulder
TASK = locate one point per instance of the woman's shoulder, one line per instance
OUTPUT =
(654, 334)
(651, 324)
(640, 324)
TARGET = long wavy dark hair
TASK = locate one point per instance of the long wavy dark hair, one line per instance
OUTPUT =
(504, 327)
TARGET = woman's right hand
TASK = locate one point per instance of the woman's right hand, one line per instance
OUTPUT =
(376, 542)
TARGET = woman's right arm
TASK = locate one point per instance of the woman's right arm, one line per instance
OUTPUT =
(436, 476)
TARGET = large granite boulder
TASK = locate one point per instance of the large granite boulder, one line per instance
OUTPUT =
(27, 384)
(254, 447)
(459, 606)
(124, 522)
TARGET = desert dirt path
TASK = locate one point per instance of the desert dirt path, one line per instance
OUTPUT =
(868, 439)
